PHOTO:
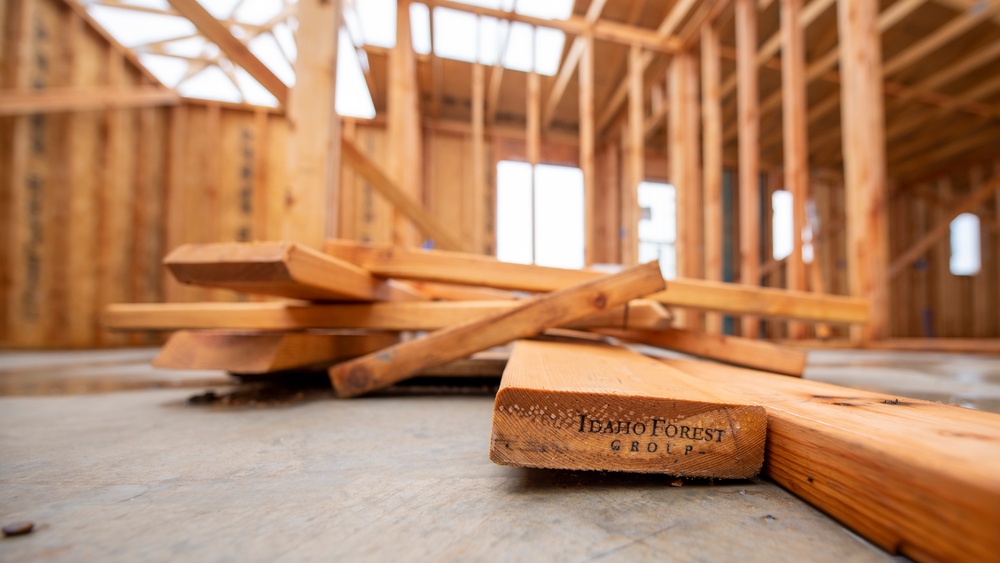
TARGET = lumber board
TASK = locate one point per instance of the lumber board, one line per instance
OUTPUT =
(399, 315)
(916, 478)
(53, 100)
(748, 147)
(747, 352)
(470, 269)
(262, 352)
(380, 370)
(283, 269)
(599, 407)
(459, 292)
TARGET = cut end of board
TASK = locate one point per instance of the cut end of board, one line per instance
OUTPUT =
(593, 407)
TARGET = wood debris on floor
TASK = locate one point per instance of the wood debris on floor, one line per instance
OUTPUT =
(908, 475)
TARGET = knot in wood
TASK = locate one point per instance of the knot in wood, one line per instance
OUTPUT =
(600, 301)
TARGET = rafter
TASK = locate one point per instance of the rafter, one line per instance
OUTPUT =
(569, 65)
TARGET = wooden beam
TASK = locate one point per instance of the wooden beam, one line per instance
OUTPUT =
(865, 179)
(596, 407)
(459, 292)
(280, 269)
(310, 205)
(748, 121)
(263, 352)
(747, 352)
(56, 100)
(216, 32)
(573, 57)
(908, 475)
(378, 371)
(795, 141)
(575, 25)
(587, 143)
(667, 27)
(711, 108)
(471, 269)
(379, 180)
(480, 169)
(968, 205)
(634, 160)
(399, 315)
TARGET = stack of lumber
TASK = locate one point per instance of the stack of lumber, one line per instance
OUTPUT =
(909, 475)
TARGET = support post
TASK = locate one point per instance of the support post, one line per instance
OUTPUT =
(586, 87)
(711, 112)
(634, 148)
(863, 125)
(405, 162)
(749, 135)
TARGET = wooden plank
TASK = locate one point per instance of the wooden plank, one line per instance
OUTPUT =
(470, 269)
(377, 371)
(747, 352)
(634, 161)
(217, 32)
(597, 407)
(379, 180)
(795, 141)
(748, 121)
(262, 352)
(711, 111)
(908, 475)
(981, 195)
(480, 170)
(863, 126)
(400, 315)
(309, 205)
(56, 100)
(282, 269)
(458, 292)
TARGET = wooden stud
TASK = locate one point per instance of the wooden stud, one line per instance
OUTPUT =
(263, 352)
(747, 352)
(749, 136)
(596, 407)
(405, 159)
(309, 210)
(377, 371)
(480, 171)
(908, 475)
(795, 141)
(634, 157)
(587, 141)
(711, 107)
(280, 269)
(574, 55)
(684, 172)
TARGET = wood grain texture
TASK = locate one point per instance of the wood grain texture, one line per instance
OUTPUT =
(470, 269)
(282, 269)
(262, 352)
(747, 352)
(407, 315)
(598, 407)
(377, 371)
(916, 478)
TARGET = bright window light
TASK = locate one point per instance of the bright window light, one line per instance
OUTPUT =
(352, 97)
(781, 224)
(558, 204)
(266, 48)
(518, 54)
(657, 227)
(965, 251)
(559, 216)
(420, 28)
(550, 9)
(455, 34)
(514, 212)
(255, 93)
(378, 21)
(221, 9)
(211, 84)
(134, 28)
(490, 32)
(257, 12)
(548, 49)
(167, 69)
